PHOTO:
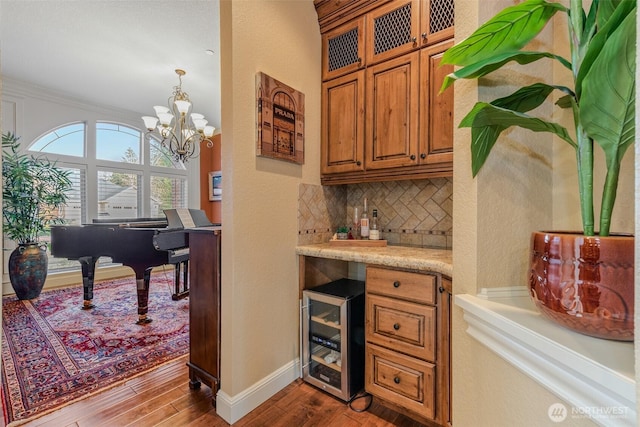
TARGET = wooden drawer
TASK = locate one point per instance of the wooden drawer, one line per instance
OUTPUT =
(402, 326)
(401, 380)
(416, 287)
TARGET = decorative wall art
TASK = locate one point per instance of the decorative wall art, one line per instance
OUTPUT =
(215, 185)
(280, 120)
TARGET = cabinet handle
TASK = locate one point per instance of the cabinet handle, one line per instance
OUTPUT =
(423, 156)
(414, 40)
(359, 61)
(412, 157)
(396, 284)
(396, 326)
(424, 36)
(396, 380)
(358, 163)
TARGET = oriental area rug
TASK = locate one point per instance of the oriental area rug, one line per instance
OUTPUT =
(55, 353)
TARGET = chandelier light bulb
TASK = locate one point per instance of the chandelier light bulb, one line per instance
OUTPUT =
(183, 107)
(150, 122)
(200, 124)
(165, 118)
(208, 131)
(159, 109)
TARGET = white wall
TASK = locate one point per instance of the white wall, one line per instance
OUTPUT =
(259, 210)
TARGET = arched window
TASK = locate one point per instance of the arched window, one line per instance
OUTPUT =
(116, 173)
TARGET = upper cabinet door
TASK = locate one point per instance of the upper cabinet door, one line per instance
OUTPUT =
(392, 113)
(343, 124)
(436, 109)
(392, 30)
(343, 49)
(436, 21)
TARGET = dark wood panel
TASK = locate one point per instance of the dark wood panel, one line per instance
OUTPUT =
(204, 308)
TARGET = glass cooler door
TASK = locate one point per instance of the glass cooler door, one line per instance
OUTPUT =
(323, 335)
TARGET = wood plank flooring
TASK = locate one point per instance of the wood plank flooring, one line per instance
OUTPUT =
(162, 398)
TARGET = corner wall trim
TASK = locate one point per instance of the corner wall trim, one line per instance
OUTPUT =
(233, 408)
(591, 374)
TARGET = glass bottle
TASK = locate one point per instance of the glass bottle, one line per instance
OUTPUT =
(364, 222)
(374, 232)
(356, 224)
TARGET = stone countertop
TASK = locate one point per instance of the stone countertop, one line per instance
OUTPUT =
(436, 260)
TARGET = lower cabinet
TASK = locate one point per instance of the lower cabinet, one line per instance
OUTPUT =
(407, 341)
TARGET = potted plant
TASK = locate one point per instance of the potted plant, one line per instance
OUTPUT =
(342, 233)
(586, 283)
(33, 191)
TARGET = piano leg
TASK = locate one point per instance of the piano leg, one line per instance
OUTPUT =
(179, 294)
(88, 274)
(142, 285)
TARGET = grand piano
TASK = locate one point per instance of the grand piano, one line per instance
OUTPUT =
(140, 243)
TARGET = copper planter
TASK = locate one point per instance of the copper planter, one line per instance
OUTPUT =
(584, 283)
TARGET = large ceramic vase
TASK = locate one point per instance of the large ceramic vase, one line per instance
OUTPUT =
(585, 283)
(28, 270)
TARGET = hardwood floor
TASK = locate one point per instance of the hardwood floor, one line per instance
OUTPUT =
(163, 398)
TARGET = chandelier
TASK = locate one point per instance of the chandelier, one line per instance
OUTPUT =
(180, 132)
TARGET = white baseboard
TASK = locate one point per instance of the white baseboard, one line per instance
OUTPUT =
(233, 408)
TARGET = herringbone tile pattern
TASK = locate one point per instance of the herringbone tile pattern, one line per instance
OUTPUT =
(320, 211)
(417, 212)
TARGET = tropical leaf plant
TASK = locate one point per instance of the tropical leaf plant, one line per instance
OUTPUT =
(602, 43)
(33, 190)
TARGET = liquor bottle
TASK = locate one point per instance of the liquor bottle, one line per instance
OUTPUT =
(374, 232)
(356, 224)
(364, 222)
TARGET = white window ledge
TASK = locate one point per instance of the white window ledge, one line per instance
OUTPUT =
(591, 374)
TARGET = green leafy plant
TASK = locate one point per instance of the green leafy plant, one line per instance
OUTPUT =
(33, 191)
(603, 53)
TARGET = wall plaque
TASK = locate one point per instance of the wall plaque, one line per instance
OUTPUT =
(280, 120)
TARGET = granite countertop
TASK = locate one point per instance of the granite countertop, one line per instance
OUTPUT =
(436, 260)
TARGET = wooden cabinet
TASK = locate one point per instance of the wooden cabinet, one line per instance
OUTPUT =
(436, 21)
(392, 30)
(436, 113)
(407, 341)
(392, 113)
(343, 124)
(204, 308)
(400, 127)
(343, 49)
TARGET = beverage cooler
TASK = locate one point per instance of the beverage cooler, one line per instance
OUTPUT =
(332, 341)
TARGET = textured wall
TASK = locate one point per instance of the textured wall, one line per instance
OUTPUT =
(416, 212)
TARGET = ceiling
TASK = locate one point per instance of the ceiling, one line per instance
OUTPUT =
(115, 53)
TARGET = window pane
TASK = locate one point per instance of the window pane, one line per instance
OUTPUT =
(118, 195)
(161, 156)
(117, 143)
(66, 140)
(73, 213)
(167, 193)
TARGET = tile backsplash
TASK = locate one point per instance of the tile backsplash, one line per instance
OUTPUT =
(413, 212)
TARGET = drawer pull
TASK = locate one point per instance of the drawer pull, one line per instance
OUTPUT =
(396, 284)
(396, 326)
(396, 380)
